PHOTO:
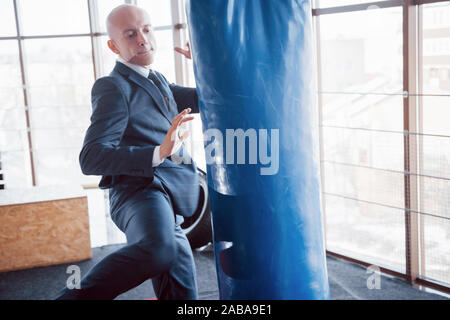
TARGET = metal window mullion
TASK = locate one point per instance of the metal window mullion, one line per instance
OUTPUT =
(180, 61)
(422, 251)
(184, 38)
(420, 2)
(410, 141)
(26, 93)
(320, 121)
(359, 7)
(364, 6)
(95, 41)
(177, 40)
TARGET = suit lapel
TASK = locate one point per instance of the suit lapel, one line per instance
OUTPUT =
(151, 89)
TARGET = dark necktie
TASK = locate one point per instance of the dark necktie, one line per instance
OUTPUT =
(152, 76)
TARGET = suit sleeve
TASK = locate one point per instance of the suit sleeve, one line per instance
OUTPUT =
(101, 153)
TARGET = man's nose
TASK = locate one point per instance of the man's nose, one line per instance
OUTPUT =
(142, 40)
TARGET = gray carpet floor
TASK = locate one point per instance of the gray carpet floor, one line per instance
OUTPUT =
(348, 281)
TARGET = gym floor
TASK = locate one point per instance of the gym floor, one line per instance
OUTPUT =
(348, 281)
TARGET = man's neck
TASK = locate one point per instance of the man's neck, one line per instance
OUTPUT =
(144, 71)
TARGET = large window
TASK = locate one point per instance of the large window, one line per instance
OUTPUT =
(15, 162)
(362, 124)
(384, 94)
(434, 140)
(59, 81)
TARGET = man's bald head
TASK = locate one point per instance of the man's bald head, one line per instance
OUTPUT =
(123, 12)
(131, 34)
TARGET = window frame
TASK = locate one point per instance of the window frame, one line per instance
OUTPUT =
(412, 130)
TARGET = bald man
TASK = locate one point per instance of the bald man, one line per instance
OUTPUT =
(132, 141)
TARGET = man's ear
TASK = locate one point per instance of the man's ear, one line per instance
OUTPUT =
(113, 47)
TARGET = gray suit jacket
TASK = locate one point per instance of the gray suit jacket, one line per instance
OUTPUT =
(129, 119)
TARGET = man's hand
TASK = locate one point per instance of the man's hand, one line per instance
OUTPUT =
(172, 142)
(186, 53)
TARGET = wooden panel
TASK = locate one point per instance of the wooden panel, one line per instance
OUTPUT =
(44, 233)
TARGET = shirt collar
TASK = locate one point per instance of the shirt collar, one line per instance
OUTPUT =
(139, 69)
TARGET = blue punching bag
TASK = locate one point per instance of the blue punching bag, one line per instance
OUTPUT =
(254, 67)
